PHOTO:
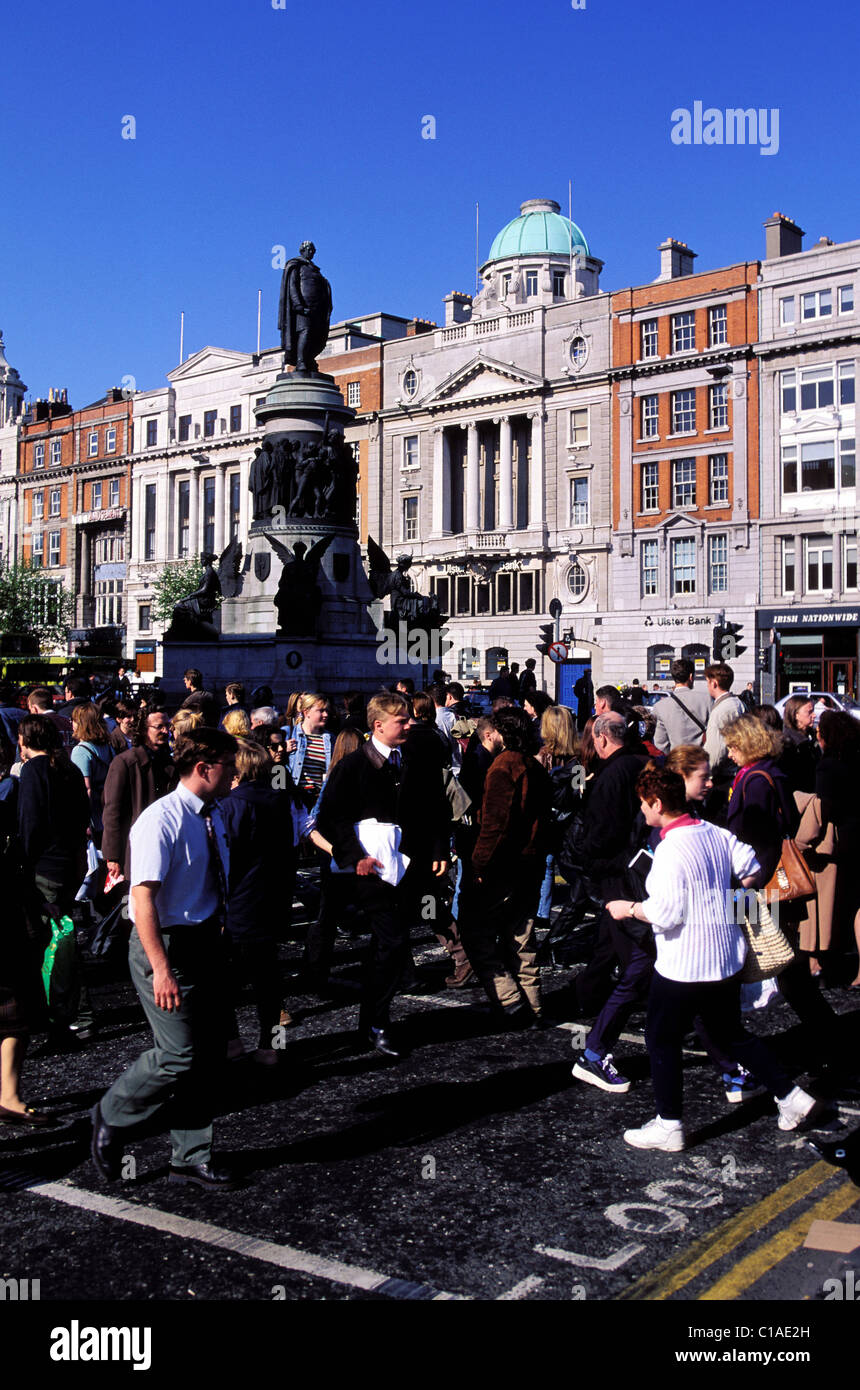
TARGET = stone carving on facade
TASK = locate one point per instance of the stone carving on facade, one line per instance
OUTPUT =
(299, 597)
(407, 605)
(314, 480)
(193, 614)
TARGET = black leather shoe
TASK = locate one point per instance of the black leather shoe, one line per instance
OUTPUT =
(204, 1175)
(105, 1147)
(381, 1043)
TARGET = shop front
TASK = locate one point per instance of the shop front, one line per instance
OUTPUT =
(811, 648)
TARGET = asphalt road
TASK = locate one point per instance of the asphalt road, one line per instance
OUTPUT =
(475, 1169)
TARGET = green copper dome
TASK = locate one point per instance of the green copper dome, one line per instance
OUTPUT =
(539, 230)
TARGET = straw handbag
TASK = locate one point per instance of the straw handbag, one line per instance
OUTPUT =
(768, 950)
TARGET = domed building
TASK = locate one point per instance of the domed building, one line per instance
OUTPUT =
(494, 459)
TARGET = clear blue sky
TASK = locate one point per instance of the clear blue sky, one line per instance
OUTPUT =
(258, 127)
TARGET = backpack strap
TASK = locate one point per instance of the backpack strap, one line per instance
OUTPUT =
(695, 718)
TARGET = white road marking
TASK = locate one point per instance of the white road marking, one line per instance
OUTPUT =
(609, 1263)
(522, 1289)
(284, 1256)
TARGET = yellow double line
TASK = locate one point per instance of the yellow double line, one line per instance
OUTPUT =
(682, 1269)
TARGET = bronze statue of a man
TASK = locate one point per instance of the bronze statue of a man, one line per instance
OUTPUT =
(304, 311)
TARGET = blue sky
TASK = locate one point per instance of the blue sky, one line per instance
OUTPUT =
(257, 127)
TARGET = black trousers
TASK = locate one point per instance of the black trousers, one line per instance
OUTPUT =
(387, 912)
(672, 1007)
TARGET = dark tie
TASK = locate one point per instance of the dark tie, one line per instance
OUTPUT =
(394, 759)
(216, 862)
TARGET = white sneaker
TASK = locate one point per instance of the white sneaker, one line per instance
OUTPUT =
(657, 1134)
(796, 1107)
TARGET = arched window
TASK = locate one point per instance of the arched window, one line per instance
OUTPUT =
(660, 658)
(700, 655)
(496, 657)
(468, 664)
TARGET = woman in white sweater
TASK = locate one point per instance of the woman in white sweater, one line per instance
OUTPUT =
(700, 952)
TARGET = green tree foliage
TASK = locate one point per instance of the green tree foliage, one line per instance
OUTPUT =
(33, 604)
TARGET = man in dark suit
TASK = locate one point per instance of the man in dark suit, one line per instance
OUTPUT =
(379, 783)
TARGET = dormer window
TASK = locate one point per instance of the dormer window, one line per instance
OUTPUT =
(531, 283)
(558, 284)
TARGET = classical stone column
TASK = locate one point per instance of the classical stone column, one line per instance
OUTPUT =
(244, 499)
(473, 479)
(439, 480)
(506, 474)
(194, 515)
(162, 524)
(220, 508)
(536, 473)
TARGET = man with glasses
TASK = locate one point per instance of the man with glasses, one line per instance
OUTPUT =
(179, 873)
(134, 780)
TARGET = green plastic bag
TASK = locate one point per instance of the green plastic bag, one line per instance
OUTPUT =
(59, 963)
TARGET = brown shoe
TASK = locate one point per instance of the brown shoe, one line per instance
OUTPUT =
(463, 975)
(286, 1019)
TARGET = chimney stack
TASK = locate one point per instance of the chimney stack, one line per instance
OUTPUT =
(676, 259)
(782, 237)
(458, 307)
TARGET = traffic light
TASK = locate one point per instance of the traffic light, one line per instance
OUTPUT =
(727, 644)
(547, 637)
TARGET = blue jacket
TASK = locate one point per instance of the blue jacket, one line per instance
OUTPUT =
(297, 758)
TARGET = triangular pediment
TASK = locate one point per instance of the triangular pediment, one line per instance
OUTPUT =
(482, 377)
(209, 359)
(679, 521)
(814, 421)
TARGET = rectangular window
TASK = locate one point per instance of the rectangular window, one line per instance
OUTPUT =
(718, 564)
(788, 389)
(108, 602)
(353, 394)
(849, 570)
(650, 487)
(528, 592)
(410, 451)
(558, 284)
(846, 299)
(151, 433)
(789, 468)
(684, 483)
(789, 568)
(816, 388)
(410, 519)
(818, 305)
(113, 492)
(235, 504)
(650, 552)
(93, 443)
(96, 497)
(683, 560)
(184, 428)
(579, 502)
(38, 456)
(847, 463)
(506, 285)
(183, 504)
(144, 617)
(482, 597)
(579, 428)
(683, 412)
(149, 522)
(38, 506)
(718, 479)
(209, 514)
(650, 419)
(110, 440)
(442, 590)
(819, 565)
(56, 452)
(531, 283)
(718, 400)
(648, 337)
(53, 549)
(38, 551)
(786, 310)
(717, 326)
(504, 593)
(683, 332)
(463, 595)
(209, 418)
(235, 418)
(818, 467)
(846, 383)
(55, 501)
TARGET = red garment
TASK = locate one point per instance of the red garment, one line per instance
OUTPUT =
(686, 819)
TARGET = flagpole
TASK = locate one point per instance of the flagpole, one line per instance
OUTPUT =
(477, 245)
(570, 229)
(259, 311)
(181, 336)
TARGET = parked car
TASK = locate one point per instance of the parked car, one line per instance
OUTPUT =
(478, 703)
(829, 698)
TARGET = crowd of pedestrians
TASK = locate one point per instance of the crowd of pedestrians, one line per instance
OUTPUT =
(629, 840)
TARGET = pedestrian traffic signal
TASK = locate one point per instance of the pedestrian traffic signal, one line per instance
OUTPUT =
(727, 643)
(547, 637)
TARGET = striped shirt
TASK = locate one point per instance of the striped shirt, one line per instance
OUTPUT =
(314, 766)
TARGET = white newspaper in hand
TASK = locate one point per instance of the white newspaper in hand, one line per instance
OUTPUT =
(381, 840)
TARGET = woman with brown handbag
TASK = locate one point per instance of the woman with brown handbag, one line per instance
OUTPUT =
(763, 814)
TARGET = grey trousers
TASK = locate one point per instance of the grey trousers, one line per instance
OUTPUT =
(190, 1045)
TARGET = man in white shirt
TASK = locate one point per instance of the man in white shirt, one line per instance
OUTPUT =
(700, 952)
(179, 871)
